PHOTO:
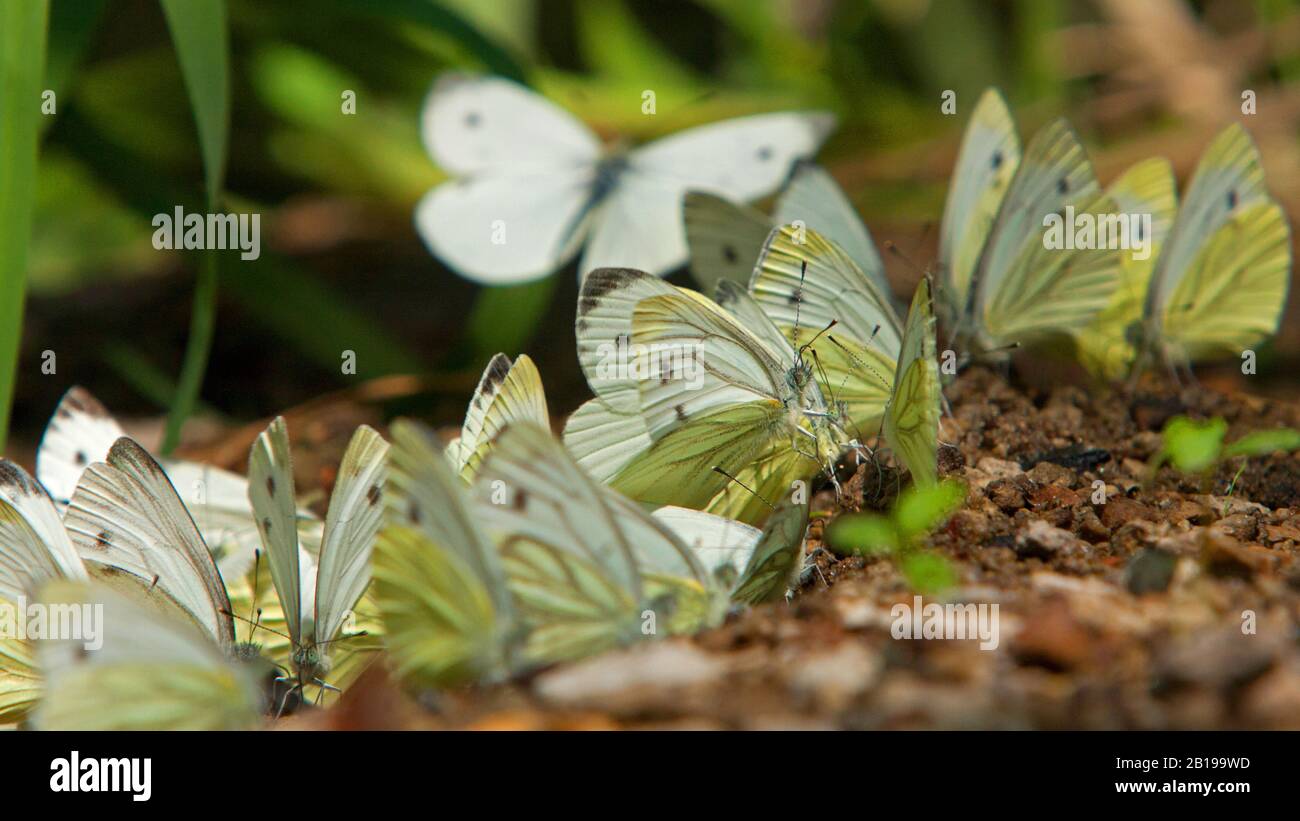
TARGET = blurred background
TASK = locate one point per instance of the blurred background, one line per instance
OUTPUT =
(342, 267)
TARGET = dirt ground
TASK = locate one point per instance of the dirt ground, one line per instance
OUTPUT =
(1167, 606)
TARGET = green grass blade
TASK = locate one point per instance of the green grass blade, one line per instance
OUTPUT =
(23, 31)
(202, 39)
(201, 35)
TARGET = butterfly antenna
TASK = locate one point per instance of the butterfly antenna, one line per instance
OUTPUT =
(356, 635)
(810, 342)
(851, 355)
(262, 626)
(817, 363)
(257, 611)
(893, 248)
(752, 492)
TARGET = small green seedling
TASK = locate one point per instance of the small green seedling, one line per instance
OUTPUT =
(917, 513)
(1197, 447)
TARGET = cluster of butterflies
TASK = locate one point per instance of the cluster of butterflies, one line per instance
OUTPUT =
(680, 491)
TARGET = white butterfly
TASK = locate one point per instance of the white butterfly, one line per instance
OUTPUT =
(316, 608)
(147, 672)
(81, 431)
(533, 183)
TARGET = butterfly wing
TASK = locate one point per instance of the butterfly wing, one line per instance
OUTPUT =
(440, 624)
(816, 201)
(603, 441)
(1024, 291)
(272, 495)
(805, 280)
(80, 432)
(507, 392)
(126, 515)
(355, 514)
(527, 171)
(1105, 347)
(912, 418)
(149, 672)
(723, 238)
(580, 558)
(987, 161)
(640, 225)
(774, 565)
(34, 547)
(1221, 281)
(1232, 295)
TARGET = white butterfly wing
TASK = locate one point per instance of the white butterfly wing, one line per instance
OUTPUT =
(125, 514)
(473, 125)
(355, 514)
(814, 198)
(1228, 178)
(34, 547)
(640, 224)
(724, 546)
(80, 432)
(271, 493)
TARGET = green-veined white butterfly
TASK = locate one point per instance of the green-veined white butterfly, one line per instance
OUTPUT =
(684, 385)
(507, 392)
(81, 431)
(533, 182)
(1220, 282)
(1106, 347)
(149, 671)
(317, 605)
(538, 562)
(874, 369)
(1000, 282)
(726, 238)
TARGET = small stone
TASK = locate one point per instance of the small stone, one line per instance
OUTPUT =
(1280, 533)
(646, 677)
(1121, 510)
(1007, 494)
(1046, 473)
(1043, 541)
(1050, 497)
(1150, 571)
(1224, 557)
(1089, 527)
(999, 468)
(1243, 527)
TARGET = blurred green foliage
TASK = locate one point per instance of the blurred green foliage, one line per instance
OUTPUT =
(124, 144)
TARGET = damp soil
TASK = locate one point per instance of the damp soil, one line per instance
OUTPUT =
(1172, 604)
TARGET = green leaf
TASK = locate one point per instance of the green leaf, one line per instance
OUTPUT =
(921, 510)
(928, 573)
(1263, 442)
(1192, 446)
(863, 534)
(23, 31)
(202, 41)
(441, 19)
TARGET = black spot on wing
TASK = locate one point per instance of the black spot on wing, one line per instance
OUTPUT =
(266, 524)
(104, 540)
(1063, 186)
(374, 495)
(520, 501)
(680, 410)
(764, 153)
(473, 119)
(270, 486)
(80, 459)
(730, 255)
(1232, 199)
(496, 374)
(413, 514)
(996, 162)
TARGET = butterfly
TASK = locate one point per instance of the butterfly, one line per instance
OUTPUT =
(81, 431)
(149, 670)
(725, 238)
(684, 385)
(1106, 347)
(1000, 282)
(538, 562)
(317, 604)
(874, 368)
(1220, 280)
(34, 549)
(532, 184)
(507, 392)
